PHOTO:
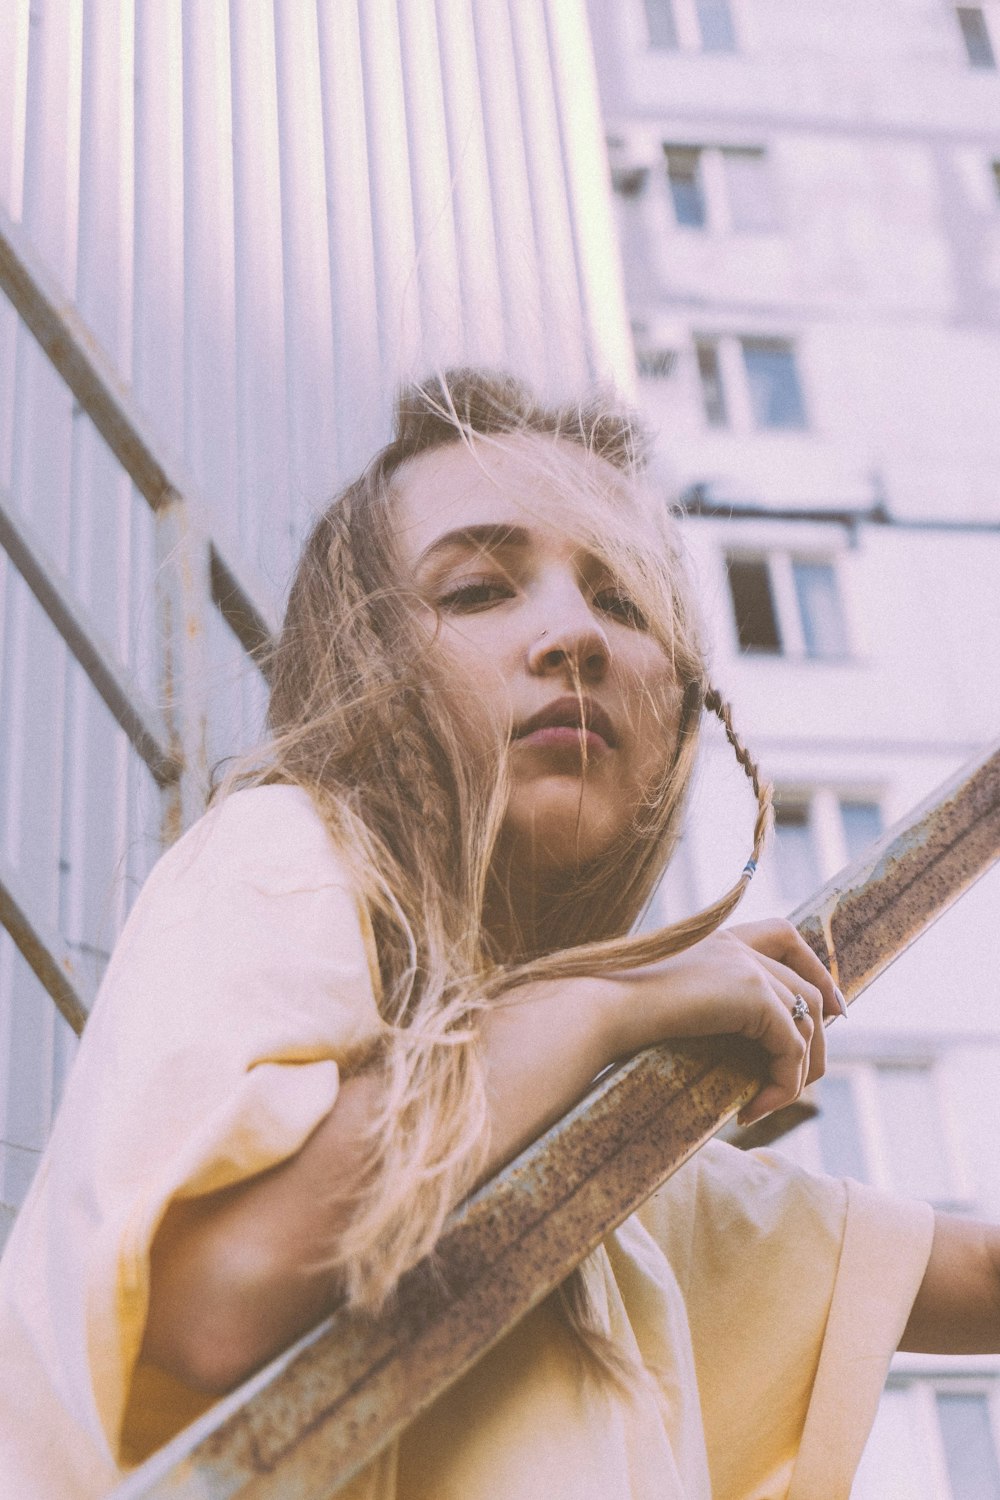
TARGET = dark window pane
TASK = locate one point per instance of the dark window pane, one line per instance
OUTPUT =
(712, 393)
(660, 21)
(716, 23)
(753, 604)
(819, 607)
(996, 177)
(862, 826)
(795, 851)
(976, 36)
(969, 1445)
(629, 181)
(840, 1145)
(684, 176)
(774, 383)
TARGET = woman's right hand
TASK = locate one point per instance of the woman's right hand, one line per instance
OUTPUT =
(741, 981)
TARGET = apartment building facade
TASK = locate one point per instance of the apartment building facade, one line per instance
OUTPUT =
(808, 201)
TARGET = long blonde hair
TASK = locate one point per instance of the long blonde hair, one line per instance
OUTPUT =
(355, 720)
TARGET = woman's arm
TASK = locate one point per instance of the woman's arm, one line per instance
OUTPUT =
(236, 1276)
(957, 1310)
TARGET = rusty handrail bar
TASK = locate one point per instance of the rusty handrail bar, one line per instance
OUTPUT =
(303, 1426)
(74, 351)
(140, 719)
(42, 949)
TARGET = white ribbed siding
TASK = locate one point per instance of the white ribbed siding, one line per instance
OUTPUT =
(268, 214)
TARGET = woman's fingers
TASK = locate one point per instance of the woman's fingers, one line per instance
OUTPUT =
(792, 986)
(790, 1021)
(779, 939)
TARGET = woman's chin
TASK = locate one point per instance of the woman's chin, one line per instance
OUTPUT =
(557, 834)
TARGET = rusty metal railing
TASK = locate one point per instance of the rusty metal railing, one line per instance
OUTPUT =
(196, 570)
(302, 1427)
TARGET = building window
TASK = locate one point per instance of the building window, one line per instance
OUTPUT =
(882, 1123)
(787, 605)
(686, 191)
(819, 609)
(996, 178)
(713, 395)
(692, 25)
(817, 833)
(715, 22)
(661, 24)
(749, 189)
(976, 36)
(862, 823)
(773, 382)
(969, 1444)
(933, 1439)
(753, 604)
(795, 850)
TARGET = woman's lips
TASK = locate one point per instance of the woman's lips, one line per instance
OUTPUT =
(569, 723)
(564, 737)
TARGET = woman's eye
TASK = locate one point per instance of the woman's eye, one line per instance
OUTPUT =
(619, 606)
(474, 593)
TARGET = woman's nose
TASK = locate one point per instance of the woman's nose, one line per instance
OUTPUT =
(576, 644)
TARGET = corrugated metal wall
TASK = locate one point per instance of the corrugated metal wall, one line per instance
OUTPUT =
(267, 211)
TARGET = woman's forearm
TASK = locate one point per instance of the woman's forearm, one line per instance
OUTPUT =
(237, 1276)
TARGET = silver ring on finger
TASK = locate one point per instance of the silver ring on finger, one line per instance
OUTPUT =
(799, 1009)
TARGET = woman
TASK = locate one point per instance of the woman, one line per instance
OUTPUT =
(394, 955)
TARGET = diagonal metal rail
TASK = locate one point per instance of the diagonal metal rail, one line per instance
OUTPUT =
(195, 570)
(42, 949)
(111, 406)
(140, 719)
(304, 1426)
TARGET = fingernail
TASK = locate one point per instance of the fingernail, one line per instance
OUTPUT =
(840, 1000)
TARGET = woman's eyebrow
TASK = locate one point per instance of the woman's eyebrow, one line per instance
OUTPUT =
(488, 537)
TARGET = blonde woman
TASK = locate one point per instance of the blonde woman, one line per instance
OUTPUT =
(395, 951)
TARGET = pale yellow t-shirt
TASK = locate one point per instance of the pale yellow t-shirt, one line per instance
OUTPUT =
(765, 1302)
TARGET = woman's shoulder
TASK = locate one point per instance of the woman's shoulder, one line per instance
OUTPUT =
(273, 836)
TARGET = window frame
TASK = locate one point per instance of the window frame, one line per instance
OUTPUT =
(714, 183)
(688, 30)
(824, 802)
(787, 603)
(920, 1389)
(736, 390)
(869, 1109)
(989, 64)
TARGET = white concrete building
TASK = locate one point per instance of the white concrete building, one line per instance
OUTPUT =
(808, 198)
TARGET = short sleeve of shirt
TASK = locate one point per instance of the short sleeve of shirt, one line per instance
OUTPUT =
(797, 1290)
(242, 984)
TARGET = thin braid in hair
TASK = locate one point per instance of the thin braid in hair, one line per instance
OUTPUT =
(762, 790)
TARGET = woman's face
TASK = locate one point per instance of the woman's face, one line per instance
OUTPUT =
(532, 632)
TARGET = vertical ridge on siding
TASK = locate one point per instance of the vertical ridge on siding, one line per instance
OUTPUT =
(357, 360)
(309, 367)
(436, 258)
(506, 152)
(396, 287)
(479, 276)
